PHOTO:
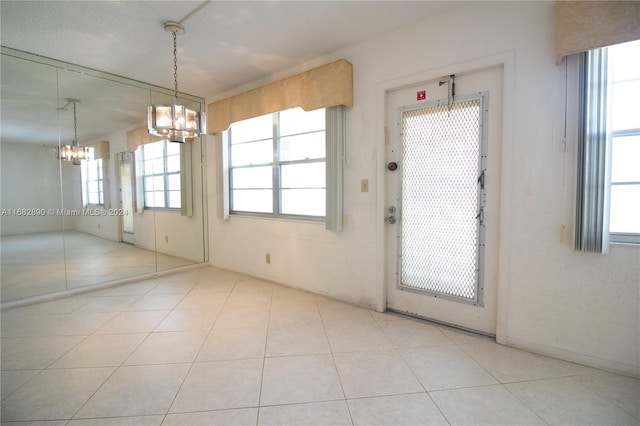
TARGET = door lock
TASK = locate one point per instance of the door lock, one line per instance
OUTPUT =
(392, 166)
(390, 220)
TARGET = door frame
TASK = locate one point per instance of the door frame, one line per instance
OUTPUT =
(507, 62)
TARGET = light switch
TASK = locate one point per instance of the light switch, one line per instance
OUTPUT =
(364, 185)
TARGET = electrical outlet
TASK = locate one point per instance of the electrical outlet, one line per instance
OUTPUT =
(166, 239)
(268, 258)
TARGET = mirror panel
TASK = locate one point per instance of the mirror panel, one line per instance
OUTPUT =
(95, 227)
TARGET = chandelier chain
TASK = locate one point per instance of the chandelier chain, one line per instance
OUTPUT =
(75, 126)
(175, 64)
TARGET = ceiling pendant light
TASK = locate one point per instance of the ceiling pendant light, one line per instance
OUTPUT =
(175, 122)
(74, 152)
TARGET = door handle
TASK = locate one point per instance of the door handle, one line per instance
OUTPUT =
(390, 220)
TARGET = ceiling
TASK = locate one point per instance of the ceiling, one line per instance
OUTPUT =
(227, 44)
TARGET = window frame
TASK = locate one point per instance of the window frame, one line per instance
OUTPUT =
(165, 176)
(99, 164)
(276, 171)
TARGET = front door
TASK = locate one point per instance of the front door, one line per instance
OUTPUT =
(443, 175)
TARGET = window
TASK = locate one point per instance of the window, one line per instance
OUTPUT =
(608, 189)
(277, 165)
(161, 175)
(93, 182)
(624, 93)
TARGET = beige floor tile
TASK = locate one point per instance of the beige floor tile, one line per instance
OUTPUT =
(413, 334)
(410, 409)
(297, 340)
(168, 347)
(445, 367)
(12, 380)
(366, 374)
(621, 391)
(36, 353)
(514, 365)
(133, 322)
(234, 318)
(199, 300)
(109, 303)
(485, 405)
(54, 394)
(237, 417)
(101, 350)
(241, 343)
(294, 314)
(17, 323)
(77, 324)
(315, 413)
(119, 421)
(295, 379)
(220, 385)
(155, 302)
(136, 391)
(564, 401)
(172, 287)
(135, 289)
(188, 320)
(349, 337)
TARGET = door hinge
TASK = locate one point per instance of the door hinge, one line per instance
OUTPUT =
(386, 135)
(481, 179)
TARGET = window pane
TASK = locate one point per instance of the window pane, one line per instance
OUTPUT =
(297, 120)
(260, 152)
(173, 148)
(174, 199)
(158, 198)
(303, 147)
(307, 202)
(625, 111)
(307, 175)
(625, 209)
(252, 129)
(252, 177)
(625, 159)
(173, 163)
(174, 183)
(624, 58)
(94, 198)
(92, 187)
(153, 150)
(252, 200)
(92, 170)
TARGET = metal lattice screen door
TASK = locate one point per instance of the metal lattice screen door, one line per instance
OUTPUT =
(442, 197)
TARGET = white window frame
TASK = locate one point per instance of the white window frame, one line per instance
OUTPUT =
(86, 182)
(165, 176)
(334, 158)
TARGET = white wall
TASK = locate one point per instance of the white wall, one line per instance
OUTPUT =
(31, 180)
(553, 300)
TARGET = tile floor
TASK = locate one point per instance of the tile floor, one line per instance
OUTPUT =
(212, 347)
(34, 264)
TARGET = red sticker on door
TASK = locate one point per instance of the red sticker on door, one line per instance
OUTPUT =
(421, 95)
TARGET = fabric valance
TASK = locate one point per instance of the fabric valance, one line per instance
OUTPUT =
(587, 25)
(322, 87)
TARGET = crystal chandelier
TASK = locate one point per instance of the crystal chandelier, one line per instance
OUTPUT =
(175, 122)
(74, 152)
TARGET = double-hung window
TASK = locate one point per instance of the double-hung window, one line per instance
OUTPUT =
(278, 165)
(608, 205)
(93, 182)
(161, 175)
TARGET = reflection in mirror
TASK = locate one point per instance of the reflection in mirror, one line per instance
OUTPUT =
(65, 225)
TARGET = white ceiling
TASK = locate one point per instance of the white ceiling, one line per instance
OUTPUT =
(227, 44)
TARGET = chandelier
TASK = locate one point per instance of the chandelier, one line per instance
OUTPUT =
(175, 122)
(74, 152)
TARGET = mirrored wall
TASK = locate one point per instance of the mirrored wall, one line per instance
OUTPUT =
(66, 226)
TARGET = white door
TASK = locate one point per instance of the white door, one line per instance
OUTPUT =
(442, 185)
(126, 181)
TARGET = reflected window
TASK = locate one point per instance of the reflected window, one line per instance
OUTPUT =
(93, 181)
(277, 164)
(161, 175)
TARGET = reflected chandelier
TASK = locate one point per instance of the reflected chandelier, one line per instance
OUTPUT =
(176, 122)
(74, 152)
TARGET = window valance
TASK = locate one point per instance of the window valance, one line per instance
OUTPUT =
(139, 136)
(101, 150)
(322, 87)
(587, 25)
